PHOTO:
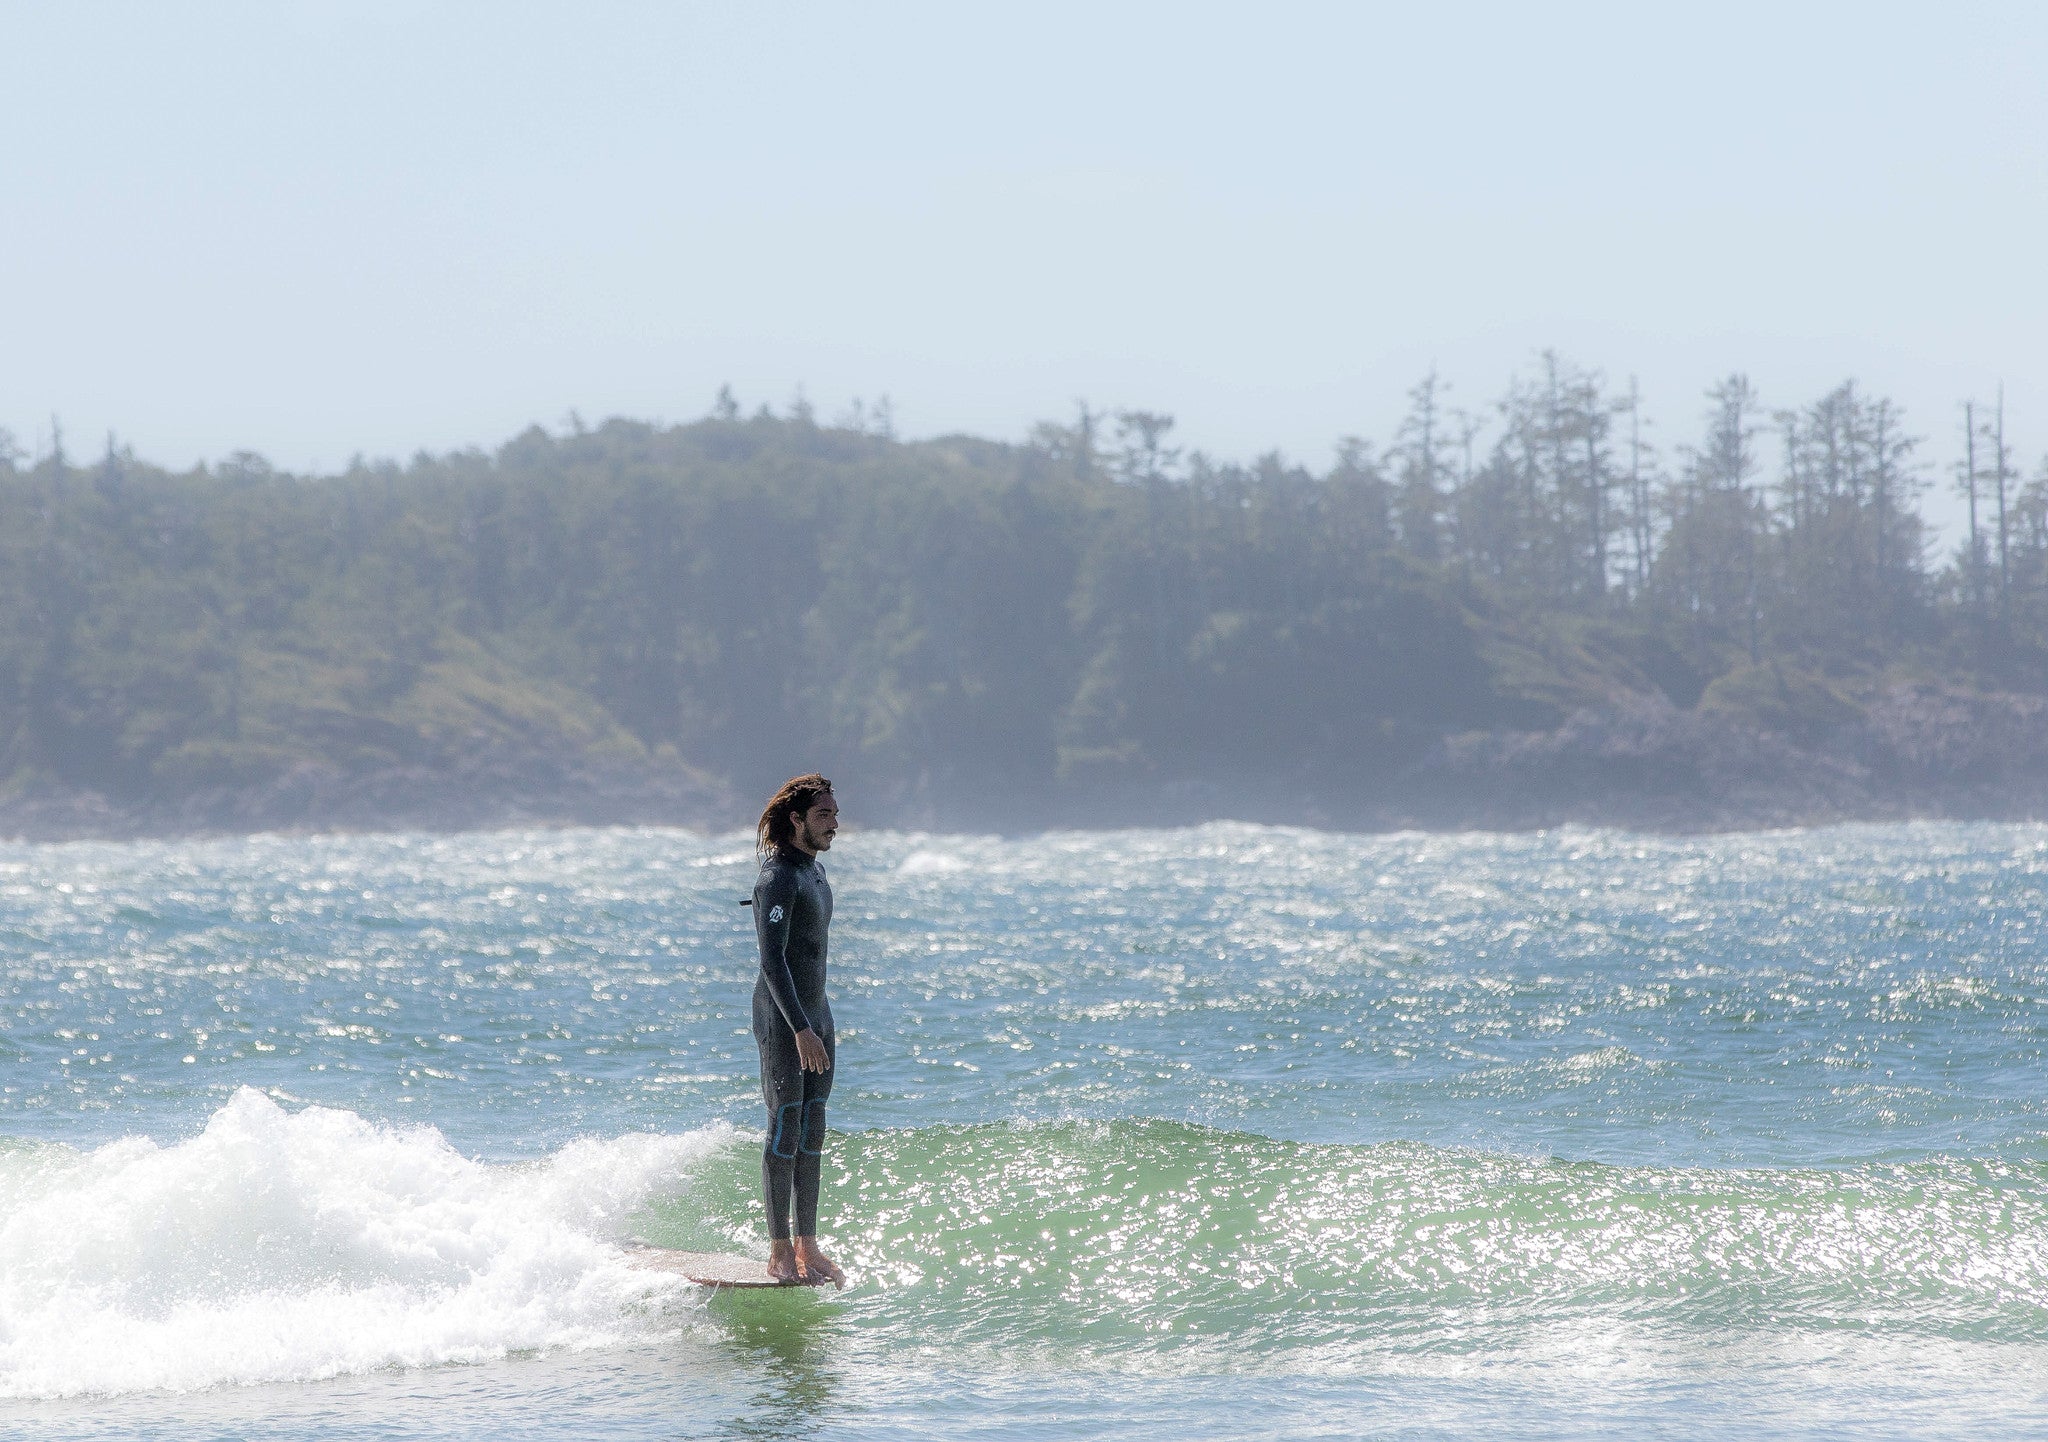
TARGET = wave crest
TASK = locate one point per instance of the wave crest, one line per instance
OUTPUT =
(299, 1245)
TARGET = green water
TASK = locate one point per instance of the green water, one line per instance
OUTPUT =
(1213, 1133)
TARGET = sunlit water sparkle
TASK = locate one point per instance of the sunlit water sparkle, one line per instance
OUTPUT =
(1225, 1131)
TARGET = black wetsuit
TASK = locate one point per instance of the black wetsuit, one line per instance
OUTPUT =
(792, 909)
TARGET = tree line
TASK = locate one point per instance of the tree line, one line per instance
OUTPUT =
(1092, 607)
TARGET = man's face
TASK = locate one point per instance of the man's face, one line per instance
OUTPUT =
(814, 829)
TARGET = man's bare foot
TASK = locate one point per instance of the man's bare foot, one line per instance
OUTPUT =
(782, 1263)
(813, 1264)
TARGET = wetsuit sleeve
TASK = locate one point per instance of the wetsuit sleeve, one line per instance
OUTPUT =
(774, 906)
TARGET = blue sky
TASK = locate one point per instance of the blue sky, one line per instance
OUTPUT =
(310, 228)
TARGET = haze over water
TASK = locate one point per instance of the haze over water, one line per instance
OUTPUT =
(1217, 1132)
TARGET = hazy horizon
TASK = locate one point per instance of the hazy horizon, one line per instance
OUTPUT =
(312, 229)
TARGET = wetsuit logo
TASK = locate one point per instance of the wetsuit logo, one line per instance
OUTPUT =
(776, 914)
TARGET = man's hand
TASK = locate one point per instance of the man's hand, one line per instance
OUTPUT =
(811, 1052)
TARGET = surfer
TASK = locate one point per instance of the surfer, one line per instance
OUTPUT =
(793, 1020)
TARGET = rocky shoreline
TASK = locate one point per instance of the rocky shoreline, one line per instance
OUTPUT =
(1924, 752)
(1912, 751)
(490, 792)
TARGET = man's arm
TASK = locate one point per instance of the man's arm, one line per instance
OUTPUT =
(774, 901)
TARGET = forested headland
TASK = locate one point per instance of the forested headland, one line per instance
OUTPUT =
(1519, 616)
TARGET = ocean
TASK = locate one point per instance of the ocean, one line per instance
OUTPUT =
(1229, 1131)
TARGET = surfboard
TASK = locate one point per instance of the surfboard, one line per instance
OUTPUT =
(713, 1269)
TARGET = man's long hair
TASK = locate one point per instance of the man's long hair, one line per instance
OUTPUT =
(777, 831)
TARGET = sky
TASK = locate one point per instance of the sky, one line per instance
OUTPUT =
(313, 229)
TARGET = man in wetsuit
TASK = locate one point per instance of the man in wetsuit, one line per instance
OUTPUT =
(793, 1020)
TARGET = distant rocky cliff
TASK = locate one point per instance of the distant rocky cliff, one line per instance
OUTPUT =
(1916, 749)
(1911, 749)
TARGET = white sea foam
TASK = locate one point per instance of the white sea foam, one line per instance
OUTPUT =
(284, 1246)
